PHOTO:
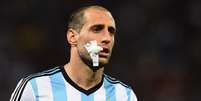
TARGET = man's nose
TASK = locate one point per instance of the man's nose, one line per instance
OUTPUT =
(106, 37)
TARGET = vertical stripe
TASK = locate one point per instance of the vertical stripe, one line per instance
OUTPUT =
(72, 94)
(121, 94)
(87, 97)
(99, 95)
(35, 88)
(28, 93)
(58, 87)
(128, 91)
(44, 88)
(109, 91)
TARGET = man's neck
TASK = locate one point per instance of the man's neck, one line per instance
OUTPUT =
(82, 75)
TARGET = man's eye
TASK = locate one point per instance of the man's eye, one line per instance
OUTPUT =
(111, 30)
(97, 28)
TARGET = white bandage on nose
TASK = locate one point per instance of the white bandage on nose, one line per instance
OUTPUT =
(93, 50)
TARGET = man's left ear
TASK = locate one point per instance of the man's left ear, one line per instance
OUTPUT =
(72, 37)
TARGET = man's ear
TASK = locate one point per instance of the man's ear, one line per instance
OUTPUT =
(72, 37)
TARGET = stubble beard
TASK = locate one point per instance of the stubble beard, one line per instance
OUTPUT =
(85, 57)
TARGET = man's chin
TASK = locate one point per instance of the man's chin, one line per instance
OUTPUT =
(103, 61)
(102, 64)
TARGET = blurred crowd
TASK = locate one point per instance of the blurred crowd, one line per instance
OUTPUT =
(157, 48)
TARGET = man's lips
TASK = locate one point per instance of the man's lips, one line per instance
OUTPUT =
(106, 50)
(104, 53)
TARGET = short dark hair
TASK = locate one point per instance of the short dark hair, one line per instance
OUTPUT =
(77, 20)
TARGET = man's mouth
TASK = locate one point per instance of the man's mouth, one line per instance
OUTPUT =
(104, 53)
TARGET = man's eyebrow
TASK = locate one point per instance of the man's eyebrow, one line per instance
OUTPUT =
(97, 27)
(112, 27)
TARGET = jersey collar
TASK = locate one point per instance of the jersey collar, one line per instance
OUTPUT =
(72, 83)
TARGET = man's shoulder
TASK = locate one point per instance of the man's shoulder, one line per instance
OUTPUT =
(44, 73)
(26, 83)
(114, 81)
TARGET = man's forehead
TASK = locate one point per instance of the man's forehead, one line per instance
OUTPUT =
(99, 17)
(97, 12)
(100, 24)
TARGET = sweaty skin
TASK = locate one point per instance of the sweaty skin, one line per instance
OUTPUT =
(93, 50)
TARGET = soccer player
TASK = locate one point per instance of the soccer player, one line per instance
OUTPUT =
(91, 35)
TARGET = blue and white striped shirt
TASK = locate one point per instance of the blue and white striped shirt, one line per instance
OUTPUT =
(55, 85)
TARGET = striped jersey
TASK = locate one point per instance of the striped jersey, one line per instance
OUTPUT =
(55, 85)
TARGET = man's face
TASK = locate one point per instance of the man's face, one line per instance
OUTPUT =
(100, 26)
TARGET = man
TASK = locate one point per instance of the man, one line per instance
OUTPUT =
(90, 33)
